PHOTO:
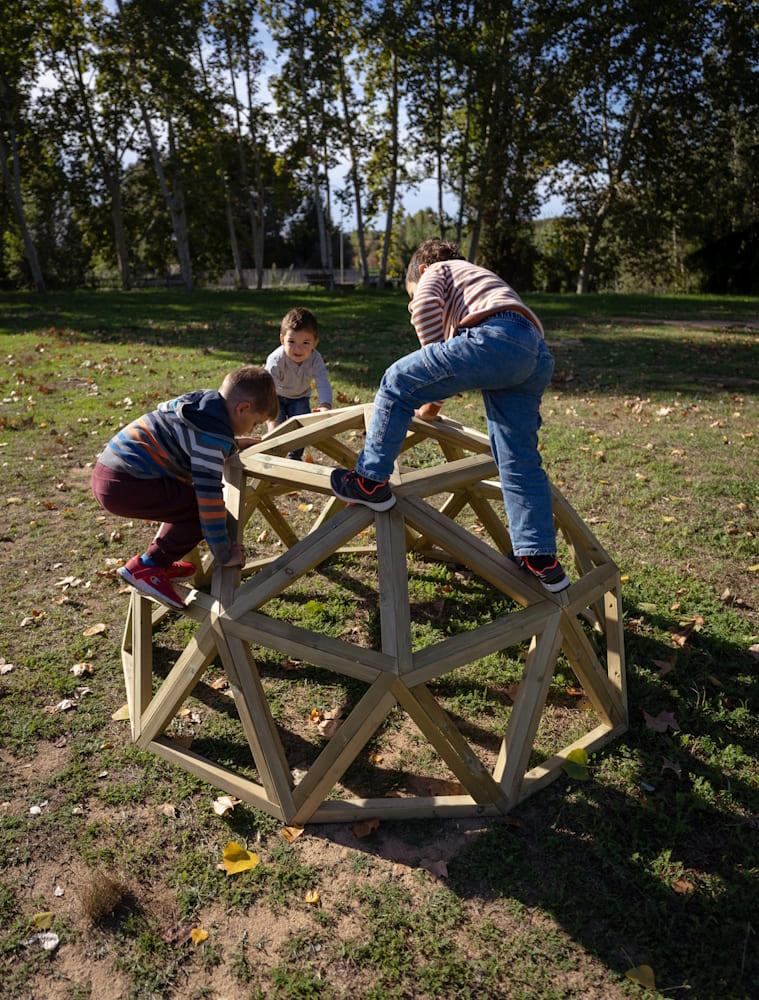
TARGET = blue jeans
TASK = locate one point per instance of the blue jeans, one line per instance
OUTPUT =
(507, 359)
(293, 406)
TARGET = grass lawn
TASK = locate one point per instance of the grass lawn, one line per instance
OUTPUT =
(650, 432)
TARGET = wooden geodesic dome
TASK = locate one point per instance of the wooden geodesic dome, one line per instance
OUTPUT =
(230, 620)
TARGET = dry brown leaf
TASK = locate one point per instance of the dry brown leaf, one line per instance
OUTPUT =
(313, 897)
(290, 664)
(438, 869)
(224, 804)
(662, 722)
(167, 809)
(82, 669)
(682, 886)
(365, 827)
(95, 629)
(314, 716)
(328, 727)
(219, 684)
(665, 666)
(643, 975)
(291, 833)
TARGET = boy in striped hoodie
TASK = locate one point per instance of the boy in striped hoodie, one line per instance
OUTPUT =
(476, 333)
(168, 465)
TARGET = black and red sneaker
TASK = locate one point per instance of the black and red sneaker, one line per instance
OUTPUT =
(152, 581)
(353, 488)
(546, 569)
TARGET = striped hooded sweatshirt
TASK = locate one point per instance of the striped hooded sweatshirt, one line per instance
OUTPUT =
(187, 438)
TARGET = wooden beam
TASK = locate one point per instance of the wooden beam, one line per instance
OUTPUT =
(501, 572)
(219, 777)
(302, 475)
(588, 588)
(567, 516)
(278, 523)
(303, 644)
(395, 612)
(601, 693)
(142, 645)
(451, 432)
(196, 657)
(310, 432)
(615, 644)
(411, 807)
(446, 478)
(542, 775)
(343, 748)
(309, 552)
(466, 647)
(528, 707)
(440, 731)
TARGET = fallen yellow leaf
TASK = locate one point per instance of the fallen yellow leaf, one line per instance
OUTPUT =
(238, 859)
(754, 568)
(198, 935)
(312, 897)
(43, 921)
(121, 714)
(643, 975)
(625, 578)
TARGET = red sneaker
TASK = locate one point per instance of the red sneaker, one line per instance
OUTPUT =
(151, 580)
(180, 570)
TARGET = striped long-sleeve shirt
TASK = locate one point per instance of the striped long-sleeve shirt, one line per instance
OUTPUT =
(187, 438)
(454, 293)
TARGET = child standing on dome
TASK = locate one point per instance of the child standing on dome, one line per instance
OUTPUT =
(476, 333)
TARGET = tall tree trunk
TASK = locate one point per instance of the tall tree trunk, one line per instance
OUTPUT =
(119, 233)
(250, 200)
(464, 167)
(234, 245)
(260, 206)
(108, 165)
(174, 200)
(13, 184)
(440, 106)
(355, 180)
(591, 242)
(315, 181)
(393, 180)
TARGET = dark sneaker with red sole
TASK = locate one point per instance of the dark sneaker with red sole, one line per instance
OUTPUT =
(547, 570)
(153, 581)
(350, 487)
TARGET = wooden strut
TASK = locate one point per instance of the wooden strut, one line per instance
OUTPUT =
(231, 619)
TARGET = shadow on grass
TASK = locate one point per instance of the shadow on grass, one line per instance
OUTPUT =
(653, 862)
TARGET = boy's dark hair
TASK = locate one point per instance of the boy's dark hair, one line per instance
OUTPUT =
(299, 318)
(430, 252)
(253, 385)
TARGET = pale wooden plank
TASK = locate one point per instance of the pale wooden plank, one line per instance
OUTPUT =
(278, 523)
(452, 507)
(567, 516)
(309, 432)
(142, 642)
(501, 572)
(466, 647)
(615, 644)
(256, 718)
(302, 475)
(452, 432)
(395, 612)
(594, 680)
(528, 707)
(343, 748)
(588, 589)
(446, 478)
(440, 731)
(549, 770)
(309, 552)
(196, 657)
(219, 777)
(303, 644)
(411, 807)
(338, 451)
(490, 521)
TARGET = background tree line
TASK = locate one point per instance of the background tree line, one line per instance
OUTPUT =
(139, 136)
